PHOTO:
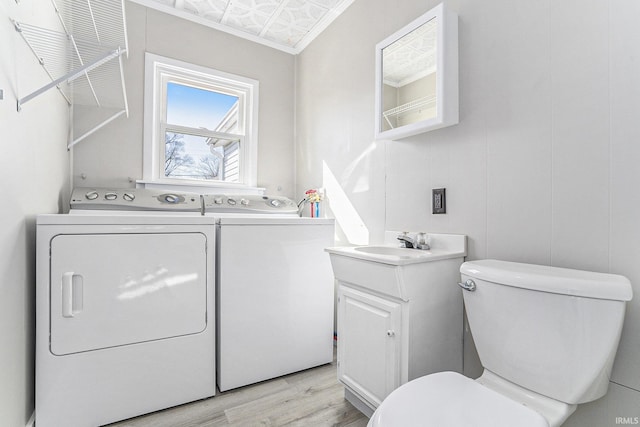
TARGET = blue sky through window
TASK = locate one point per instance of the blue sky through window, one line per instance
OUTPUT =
(196, 108)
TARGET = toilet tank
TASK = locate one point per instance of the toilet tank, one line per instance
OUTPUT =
(551, 330)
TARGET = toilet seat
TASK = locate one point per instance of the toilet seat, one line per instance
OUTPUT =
(450, 399)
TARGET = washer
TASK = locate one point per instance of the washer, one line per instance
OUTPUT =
(125, 302)
(275, 289)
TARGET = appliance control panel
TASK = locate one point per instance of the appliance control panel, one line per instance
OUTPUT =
(219, 203)
(134, 199)
(142, 199)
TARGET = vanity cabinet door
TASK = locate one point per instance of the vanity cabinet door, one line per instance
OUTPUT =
(369, 342)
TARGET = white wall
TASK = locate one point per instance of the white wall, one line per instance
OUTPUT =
(113, 155)
(541, 168)
(34, 175)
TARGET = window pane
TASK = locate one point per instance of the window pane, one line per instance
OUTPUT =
(200, 108)
(201, 158)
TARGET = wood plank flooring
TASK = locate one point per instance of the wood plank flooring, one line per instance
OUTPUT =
(305, 399)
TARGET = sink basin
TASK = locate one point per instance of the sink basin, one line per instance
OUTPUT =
(448, 246)
(392, 251)
(391, 270)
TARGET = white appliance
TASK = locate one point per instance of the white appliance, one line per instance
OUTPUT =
(125, 302)
(275, 290)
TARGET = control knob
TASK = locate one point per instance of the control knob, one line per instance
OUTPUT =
(171, 198)
(231, 201)
(91, 195)
(128, 197)
(110, 196)
(244, 202)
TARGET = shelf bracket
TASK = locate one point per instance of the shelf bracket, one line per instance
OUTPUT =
(101, 125)
(69, 77)
(40, 61)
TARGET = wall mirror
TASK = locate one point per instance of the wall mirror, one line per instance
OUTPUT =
(417, 76)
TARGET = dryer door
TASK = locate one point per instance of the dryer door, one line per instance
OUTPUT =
(116, 289)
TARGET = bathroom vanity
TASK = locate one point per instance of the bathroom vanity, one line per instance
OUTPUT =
(399, 315)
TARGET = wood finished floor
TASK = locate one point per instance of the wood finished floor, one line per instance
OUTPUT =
(306, 399)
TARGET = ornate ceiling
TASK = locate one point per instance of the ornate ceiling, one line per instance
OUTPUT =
(412, 56)
(288, 25)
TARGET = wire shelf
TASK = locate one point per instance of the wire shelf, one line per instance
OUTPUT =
(424, 102)
(96, 21)
(85, 62)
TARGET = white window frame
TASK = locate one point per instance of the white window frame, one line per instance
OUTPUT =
(158, 71)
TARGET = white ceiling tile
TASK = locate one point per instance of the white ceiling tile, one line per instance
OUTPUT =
(250, 23)
(197, 7)
(285, 34)
(327, 4)
(302, 14)
(260, 7)
(291, 24)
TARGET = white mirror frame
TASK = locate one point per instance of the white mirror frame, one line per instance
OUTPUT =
(446, 77)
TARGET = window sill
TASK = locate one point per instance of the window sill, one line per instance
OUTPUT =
(201, 188)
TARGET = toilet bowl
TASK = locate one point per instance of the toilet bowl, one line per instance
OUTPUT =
(451, 399)
(538, 365)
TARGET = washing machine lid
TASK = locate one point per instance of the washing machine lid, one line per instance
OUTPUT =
(450, 399)
(251, 219)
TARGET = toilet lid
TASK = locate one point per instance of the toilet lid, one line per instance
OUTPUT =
(450, 399)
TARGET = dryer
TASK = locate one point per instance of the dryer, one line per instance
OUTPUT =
(125, 321)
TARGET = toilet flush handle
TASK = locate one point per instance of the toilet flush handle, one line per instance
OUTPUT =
(469, 285)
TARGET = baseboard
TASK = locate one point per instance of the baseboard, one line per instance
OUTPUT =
(358, 403)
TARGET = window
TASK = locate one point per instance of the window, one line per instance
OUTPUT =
(200, 125)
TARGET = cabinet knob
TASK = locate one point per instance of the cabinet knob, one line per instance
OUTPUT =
(391, 333)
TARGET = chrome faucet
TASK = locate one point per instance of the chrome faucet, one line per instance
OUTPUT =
(406, 241)
(418, 243)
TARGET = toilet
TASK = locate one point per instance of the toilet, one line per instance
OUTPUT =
(546, 338)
